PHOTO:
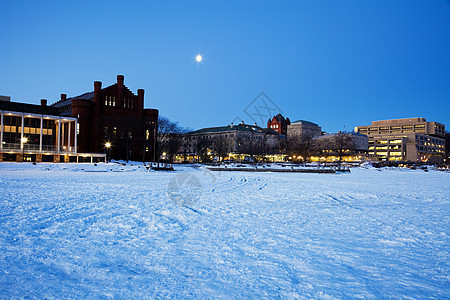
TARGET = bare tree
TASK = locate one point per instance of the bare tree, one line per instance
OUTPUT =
(338, 144)
(221, 145)
(303, 145)
(342, 143)
(201, 146)
(169, 139)
(185, 146)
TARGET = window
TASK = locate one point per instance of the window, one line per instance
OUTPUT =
(395, 141)
(396, 153)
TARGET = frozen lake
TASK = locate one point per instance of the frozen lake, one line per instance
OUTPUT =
(68, 233)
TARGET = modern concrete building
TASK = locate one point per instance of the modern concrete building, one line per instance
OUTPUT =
(38, 133)
(302, 128)
(412, 139)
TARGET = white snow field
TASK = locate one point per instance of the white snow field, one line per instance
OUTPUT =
(370, 234)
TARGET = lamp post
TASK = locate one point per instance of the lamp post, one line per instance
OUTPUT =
(108, 146)
(23, 140)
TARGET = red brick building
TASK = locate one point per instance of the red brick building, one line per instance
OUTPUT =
(113, 114)
(279, 124)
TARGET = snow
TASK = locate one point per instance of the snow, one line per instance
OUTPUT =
(112, 231)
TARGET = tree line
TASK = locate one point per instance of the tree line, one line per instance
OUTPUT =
(173, 139)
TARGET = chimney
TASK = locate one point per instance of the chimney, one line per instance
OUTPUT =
(242, 122)
(140, 99)
(120, 80)
(63, 97)
(43, 102)
(97, 88)
(120, 91)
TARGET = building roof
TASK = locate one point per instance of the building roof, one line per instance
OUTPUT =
(68, 101)
(280, 119)
(304, 122)
(235, 128)
(29, 108)
(345, 132)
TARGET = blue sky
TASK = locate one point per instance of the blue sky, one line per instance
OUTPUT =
(337, 63)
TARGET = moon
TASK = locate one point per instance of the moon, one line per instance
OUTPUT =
(198, 58)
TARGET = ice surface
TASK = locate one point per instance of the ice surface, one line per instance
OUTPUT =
(111, 231)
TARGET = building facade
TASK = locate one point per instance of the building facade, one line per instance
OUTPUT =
(38, 133)
(234, 139)
(116, 116)
(412, 139)
(301, 129)
(279, 124)
(342, 146)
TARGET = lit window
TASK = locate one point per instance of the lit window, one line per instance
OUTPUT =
(396, 153)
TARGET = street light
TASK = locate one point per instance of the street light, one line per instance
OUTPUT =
(108, 146)
(23, 140)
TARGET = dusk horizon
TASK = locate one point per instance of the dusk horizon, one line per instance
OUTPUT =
(227, 149)
(338, 64)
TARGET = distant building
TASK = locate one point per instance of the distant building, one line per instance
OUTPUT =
(279, 124)
(342, 146)
(412, 139)
(38, 133)
(302, 128)
(235, 139)
(447, 148)
(113, 114)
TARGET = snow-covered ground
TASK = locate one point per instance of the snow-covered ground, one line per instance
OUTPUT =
(117, 231)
